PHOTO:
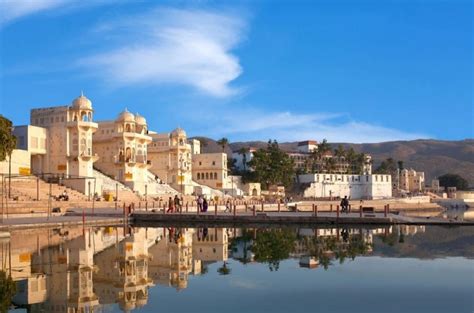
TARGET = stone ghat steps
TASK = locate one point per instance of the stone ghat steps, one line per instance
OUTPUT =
(22, 207)
(26, 190)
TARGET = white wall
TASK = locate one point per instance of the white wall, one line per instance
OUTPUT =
(353, 186)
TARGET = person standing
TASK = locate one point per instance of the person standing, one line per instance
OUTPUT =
(170, 205)
(204, 205)
(199, 203)
(177, 203)
(228, 206)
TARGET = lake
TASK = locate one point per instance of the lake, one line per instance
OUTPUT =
(169, 269)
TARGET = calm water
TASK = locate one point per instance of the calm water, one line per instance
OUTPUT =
(396, 269)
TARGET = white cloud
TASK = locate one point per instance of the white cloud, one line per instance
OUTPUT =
(288, 126)
(14, 9)
(187, 47)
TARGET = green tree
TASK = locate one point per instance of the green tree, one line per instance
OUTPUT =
(7, 140)
(453, 180)
(223, 142)
(272, 166)
(273, 245)
(324, 147)
(7, 291)
(388, 166)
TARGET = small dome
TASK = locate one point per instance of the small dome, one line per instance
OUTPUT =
(140, 120)
(178, 132)
(125, 116)
(82, 102)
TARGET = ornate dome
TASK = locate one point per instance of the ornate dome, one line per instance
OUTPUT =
(82, 102)
(178, 132)
(140, 120)
(125, 116)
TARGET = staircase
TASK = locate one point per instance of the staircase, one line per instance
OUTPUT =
(110, 185)
(157, 189)
(27, 189)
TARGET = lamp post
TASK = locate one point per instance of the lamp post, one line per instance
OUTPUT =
(9, 174)
(181, 173)
(10, 167)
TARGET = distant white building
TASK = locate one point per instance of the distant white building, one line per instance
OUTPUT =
(307, 146)
(242, 159)
(375, 186)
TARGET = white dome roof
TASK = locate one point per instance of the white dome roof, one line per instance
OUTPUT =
(140, 120)
(82, 102)
(178, 132)
(126, 116)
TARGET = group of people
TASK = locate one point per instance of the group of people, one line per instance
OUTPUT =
(64, 196)
(175, 204)
(345, 205)
(202, 204)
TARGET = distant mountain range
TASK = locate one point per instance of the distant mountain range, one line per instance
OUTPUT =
(434, 157)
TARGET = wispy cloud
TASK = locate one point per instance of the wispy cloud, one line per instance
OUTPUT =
(186, 47)
(14, 9)
(288, 126)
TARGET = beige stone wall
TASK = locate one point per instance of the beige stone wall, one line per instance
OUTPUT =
(20, 163)
(210, 169)
(122, 147)
(171, 156)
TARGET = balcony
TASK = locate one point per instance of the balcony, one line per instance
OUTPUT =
(82, 124)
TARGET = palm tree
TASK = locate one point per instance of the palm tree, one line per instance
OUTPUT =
(223, 142)
(324, 147)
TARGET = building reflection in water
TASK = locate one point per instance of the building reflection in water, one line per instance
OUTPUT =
(84, 270)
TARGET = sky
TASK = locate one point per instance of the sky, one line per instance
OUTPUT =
(348, 71)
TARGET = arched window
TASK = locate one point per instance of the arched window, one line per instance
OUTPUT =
(215, 175)
(74, 118)
(207, 175)
(128, 154)
(199, 176)
(127, 127)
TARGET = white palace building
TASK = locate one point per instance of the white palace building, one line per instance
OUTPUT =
(66, 141)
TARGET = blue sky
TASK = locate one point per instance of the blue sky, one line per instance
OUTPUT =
(351, 71)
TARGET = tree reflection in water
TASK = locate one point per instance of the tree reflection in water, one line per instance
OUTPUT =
(7, 291)
(274, 245)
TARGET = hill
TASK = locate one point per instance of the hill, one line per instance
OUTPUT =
(434, 157)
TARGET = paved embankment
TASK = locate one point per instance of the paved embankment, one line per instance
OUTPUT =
(57, 221)
(306, 218)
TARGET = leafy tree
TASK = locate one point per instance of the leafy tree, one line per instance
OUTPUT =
(271, 166)
(7, 291)
(453, 180)
(223, 142)
(387, 166)
(324, 147)
(7, 140)
(340, 152)
(273, 245)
